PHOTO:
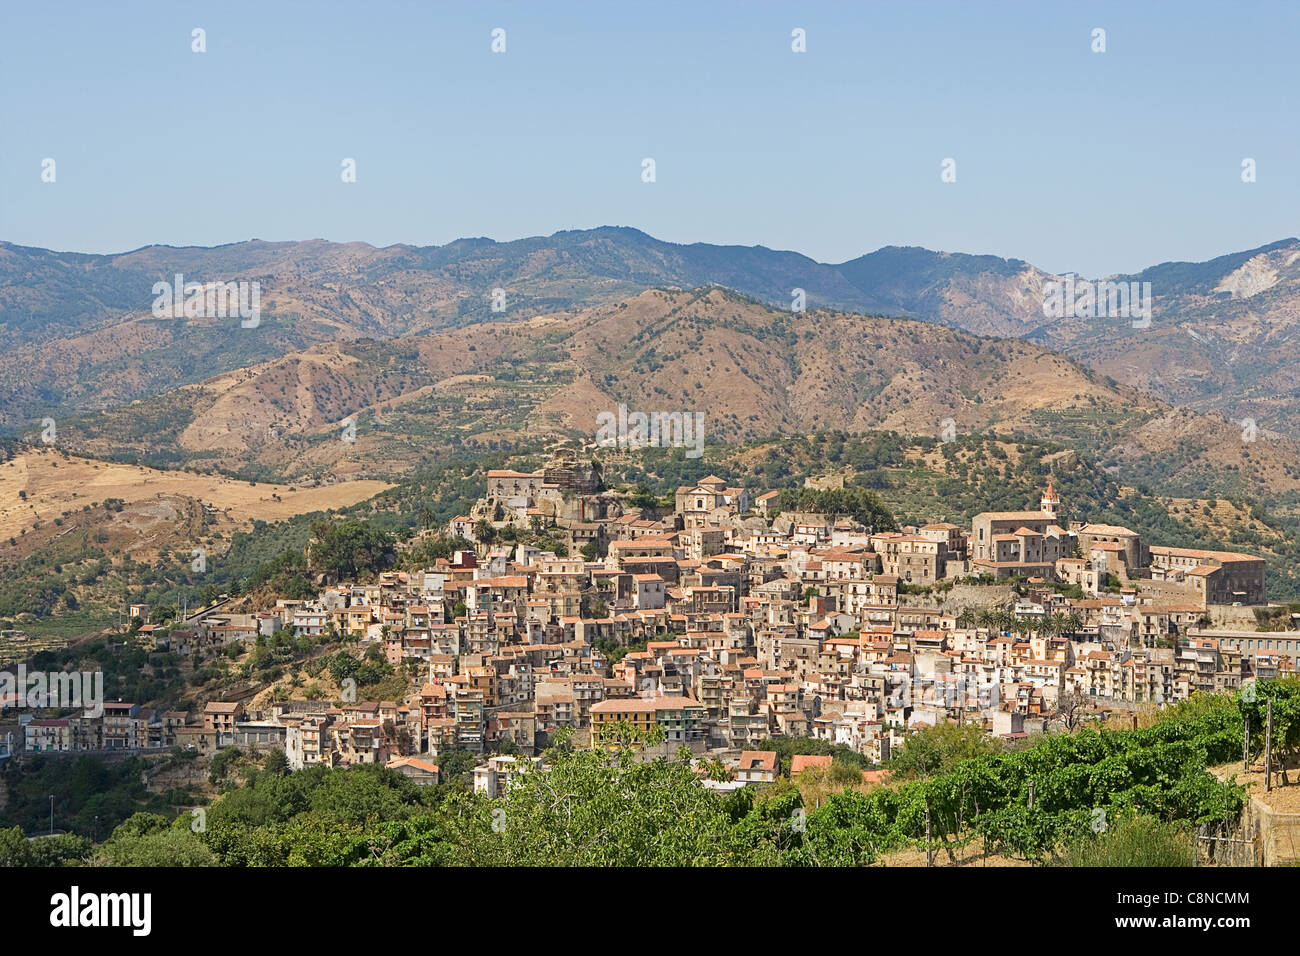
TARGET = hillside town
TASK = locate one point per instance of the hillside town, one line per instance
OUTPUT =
(722, 623)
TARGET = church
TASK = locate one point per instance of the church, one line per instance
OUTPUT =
(1021, 543)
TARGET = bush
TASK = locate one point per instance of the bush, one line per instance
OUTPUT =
(1139, 841)
(935, 750)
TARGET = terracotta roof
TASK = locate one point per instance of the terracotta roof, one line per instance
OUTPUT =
(802, 762)
(412, 762)
(758, 760)
(642, 705)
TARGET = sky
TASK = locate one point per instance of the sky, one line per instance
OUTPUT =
(1075, 160)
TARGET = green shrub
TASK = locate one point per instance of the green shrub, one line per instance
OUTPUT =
(1139, 841)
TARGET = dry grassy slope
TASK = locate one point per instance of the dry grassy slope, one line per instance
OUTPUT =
(1224, 516)
(755, 372)
(681, 351)
(317, 389)
(161, 509)
(143, 356)
(54, 482)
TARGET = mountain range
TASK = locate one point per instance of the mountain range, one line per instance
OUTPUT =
(78, 332)
(404, 343)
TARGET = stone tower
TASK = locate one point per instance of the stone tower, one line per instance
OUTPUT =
(1050, 503)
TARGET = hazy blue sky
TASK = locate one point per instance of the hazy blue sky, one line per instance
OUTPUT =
(1071, 159)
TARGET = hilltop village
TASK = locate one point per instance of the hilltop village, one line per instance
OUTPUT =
(724, 622)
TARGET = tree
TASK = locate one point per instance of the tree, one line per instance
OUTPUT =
(455, 762)
(1054, 626)
(861, 505)
(603, 808)
(1070, 707)
(162, 614)
(62, 850)
(147, 840)
(937, 749)
(429, 549)
(222, 761)
(349, 548)
(715, 769)
(276, 763)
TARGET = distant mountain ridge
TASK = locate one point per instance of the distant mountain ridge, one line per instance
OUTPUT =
(77, 332)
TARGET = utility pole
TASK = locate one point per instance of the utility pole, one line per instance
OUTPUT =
(1268, 749)
(1245, 748)
(929, 850)
(51, 814)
